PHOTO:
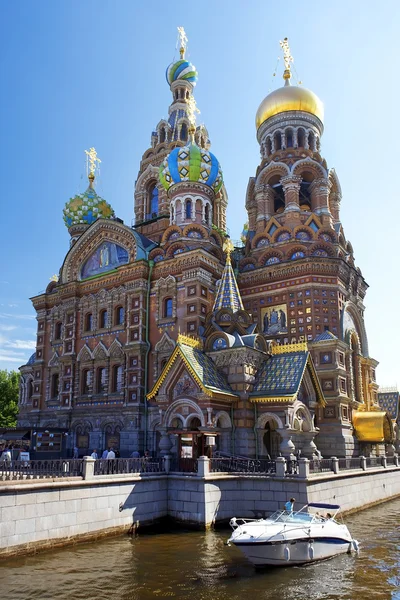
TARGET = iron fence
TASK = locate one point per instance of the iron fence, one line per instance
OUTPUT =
(41, 469)
(119, 466)
(241, 465)
(373, 461)
(346, 464)
(183, 465)
(321, 465)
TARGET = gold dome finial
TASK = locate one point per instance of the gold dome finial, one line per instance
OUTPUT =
(287, 58)
(92, 164)
(228, 248)
(183, 40)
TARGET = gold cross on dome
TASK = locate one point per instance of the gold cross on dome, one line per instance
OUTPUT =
(183, 40)
(92, 161)
(287, 57)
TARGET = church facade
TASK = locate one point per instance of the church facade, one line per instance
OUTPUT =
(164, 336)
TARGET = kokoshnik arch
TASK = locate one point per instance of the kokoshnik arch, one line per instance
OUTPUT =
(163, 335)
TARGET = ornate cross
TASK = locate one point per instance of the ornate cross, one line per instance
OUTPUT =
(287, 57)
(92, 161)
(183, 40)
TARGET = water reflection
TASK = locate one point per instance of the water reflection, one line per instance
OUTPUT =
(199, 565)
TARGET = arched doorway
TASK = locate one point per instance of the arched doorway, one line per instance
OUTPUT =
(271, 440)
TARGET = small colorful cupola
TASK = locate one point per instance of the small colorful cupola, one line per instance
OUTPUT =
(182, 69)
(228, 295)
(83, 209)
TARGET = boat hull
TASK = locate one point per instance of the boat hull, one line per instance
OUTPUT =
(292, 553)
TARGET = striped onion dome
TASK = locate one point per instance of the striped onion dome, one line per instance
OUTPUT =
(181, 69)
(191, 163)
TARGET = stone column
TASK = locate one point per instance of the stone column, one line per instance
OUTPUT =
(309, 448)
(286, 446)
(304, 468)
(88, 467)
(291, 188)
(363, 463)
(203, 466)
(335, 464)
(264, 199)
(280, 466)
(334, 206)
(165, 444)
(319, 199)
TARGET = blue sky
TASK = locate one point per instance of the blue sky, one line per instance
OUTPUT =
(88, 73)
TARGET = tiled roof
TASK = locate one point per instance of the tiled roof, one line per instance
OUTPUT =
(325, 336)
(205, 370)
(280, 375)
(389, 401)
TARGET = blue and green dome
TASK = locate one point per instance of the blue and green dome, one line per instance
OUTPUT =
(191, 163)
(181, 69)
(86, 208)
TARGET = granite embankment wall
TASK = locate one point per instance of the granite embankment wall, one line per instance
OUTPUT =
(41, 514)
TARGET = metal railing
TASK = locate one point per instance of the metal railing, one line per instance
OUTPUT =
(242, 465)
(322, 465)
(120, 466)
(41, 469)
(373, 461)
(346, 464)
(183, 465)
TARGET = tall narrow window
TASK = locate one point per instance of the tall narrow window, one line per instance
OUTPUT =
(30, 389)
(103, 319)
(289, 139)
(117, 378)
(58, 330)
(54, 385)
(184, 132)
(207, 214)
(188, 209)
(153, 200)
(119, 315)
(86, 381)
(89, 322)
(101, 380)
(168, 307)
(162, 135)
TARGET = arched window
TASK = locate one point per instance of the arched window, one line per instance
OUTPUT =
(57, 331)
(101, 380)
(311, 141)
(207, 214)
(119, 315)
(86, 381)
(289, 138)
(301, 138)
(184, 132)
(188, 209)
(278, 141)
(55, 379)
(89, 322)
(117, 378)
(153, 200)
(103, 319)
(268, 146)
(168, 307)
(162, 135)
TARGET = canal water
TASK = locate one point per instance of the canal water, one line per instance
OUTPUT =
(198, 566)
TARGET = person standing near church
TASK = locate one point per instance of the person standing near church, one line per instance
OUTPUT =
(94, 454)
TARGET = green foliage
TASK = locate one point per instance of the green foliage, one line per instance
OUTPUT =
(9, 391)
(220, 231)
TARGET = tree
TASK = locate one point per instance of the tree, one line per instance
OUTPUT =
(9, 391)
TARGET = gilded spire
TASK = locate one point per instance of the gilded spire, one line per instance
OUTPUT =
(287, 58)
(228, 295)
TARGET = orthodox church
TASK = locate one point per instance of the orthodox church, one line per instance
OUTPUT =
(166, 336)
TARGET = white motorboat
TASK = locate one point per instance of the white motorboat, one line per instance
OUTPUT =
(293, 538)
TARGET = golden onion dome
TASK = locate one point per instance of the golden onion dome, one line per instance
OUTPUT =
(287, 98)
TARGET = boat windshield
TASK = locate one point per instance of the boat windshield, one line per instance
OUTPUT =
(301, 516)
